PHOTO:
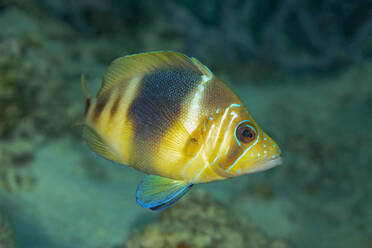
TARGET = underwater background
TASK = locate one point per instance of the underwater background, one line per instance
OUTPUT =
(303, 68)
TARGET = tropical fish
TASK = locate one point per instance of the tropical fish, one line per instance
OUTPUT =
(167, 115)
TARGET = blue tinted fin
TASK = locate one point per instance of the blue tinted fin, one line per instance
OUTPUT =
(158, 193)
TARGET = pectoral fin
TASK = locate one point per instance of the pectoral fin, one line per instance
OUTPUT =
(158, 193)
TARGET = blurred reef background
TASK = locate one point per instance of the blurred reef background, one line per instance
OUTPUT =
(304, 69)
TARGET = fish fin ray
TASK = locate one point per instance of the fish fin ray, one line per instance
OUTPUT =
(84, 86)
(157, 193)
(204, 69)
(125, 68)
(98, 145)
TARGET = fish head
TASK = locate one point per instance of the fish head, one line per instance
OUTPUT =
(243, 147)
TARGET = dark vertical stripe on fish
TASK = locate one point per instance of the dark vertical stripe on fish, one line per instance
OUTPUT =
(115, 106)
(159, 102)
(100, 104)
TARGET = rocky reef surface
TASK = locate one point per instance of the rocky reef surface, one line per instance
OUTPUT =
(199, 221)
(38, 72)
(6, 233)
(50, 183)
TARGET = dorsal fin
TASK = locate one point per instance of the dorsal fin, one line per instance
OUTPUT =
(84, 86)
(137, 65)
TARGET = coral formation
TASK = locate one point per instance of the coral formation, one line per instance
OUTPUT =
(322, 127)
(30, 95)
(339, 103)
(322, 122)
(6, 233)
(31, 85)
(264, 30)
(199, 221)
(15, 158)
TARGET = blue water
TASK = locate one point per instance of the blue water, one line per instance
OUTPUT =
(55, 192)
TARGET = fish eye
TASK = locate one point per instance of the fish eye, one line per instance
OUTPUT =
(245, 133)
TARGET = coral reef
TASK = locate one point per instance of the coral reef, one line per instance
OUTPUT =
(322, 122)
(15, 170)
(200, 221)
(322, 127)
(269, 30)
(77, 11)
(31, 83)
(340, 101)
(287, 34)
(30, 7)
(6, 233)
(31, 94)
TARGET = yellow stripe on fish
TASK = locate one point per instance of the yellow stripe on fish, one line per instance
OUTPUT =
(168, 116)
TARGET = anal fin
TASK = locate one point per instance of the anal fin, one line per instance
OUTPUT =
(157, 193)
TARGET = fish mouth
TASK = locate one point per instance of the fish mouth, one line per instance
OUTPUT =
(265, 165)
(252, 168)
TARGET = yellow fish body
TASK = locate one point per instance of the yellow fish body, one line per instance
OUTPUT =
(168, 116)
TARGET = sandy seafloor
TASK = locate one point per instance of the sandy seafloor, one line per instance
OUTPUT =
(319, 197)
